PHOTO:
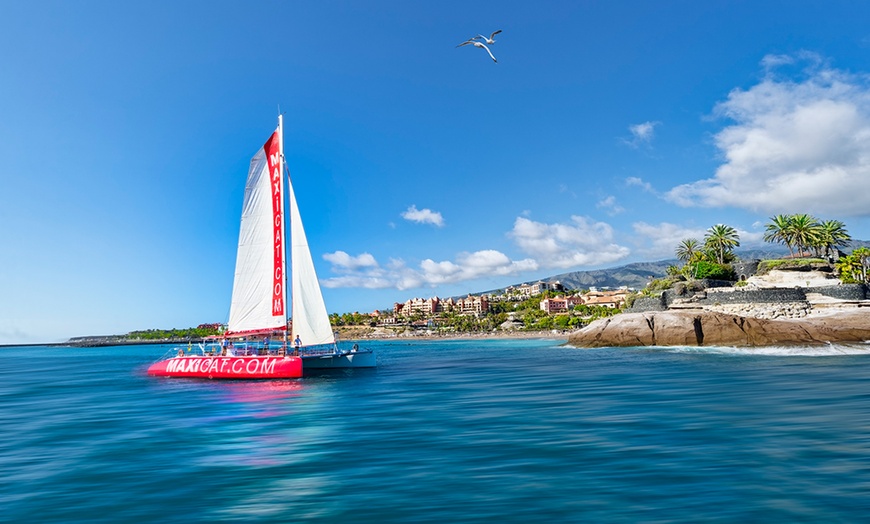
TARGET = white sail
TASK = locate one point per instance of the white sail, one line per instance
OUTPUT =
(310, 320)
(258, 301)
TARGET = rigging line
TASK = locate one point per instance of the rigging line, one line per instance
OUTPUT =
(284, 164)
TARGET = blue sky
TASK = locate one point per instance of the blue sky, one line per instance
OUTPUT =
(605, 134)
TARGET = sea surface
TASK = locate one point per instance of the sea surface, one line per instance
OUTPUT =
(443, 431)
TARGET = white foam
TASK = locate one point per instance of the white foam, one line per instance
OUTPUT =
(828, 350)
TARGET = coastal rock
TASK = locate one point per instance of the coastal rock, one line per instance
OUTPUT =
(707, 328)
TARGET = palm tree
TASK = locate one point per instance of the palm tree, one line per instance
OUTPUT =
(721, 239)
(687, 249)
(779, 231)
(804, 231)
(833, 235)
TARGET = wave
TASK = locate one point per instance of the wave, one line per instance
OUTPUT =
(827, 350)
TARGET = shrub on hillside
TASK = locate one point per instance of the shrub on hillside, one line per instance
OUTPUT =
(684, 288)
(712, 270)
(661, 284)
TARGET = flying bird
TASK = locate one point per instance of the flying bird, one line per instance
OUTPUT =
(474, 42)
(491, 39)
(482, 45)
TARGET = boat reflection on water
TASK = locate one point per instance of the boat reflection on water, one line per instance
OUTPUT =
(261, 391)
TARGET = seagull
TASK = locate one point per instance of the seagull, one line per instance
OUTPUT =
(489, 40)
(474, 42)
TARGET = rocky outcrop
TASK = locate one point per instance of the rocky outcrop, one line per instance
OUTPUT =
(707, 328)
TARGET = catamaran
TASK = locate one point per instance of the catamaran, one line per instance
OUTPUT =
(258, 309)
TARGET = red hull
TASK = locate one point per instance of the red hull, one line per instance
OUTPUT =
(228, 367)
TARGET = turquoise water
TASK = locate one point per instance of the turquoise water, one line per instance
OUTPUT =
(442, 431)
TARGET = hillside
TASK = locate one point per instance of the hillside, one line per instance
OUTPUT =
(638, 274)
(635, 276)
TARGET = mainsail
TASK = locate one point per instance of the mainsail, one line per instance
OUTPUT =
(259, 294)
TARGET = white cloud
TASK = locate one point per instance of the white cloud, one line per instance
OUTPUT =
(641, 134)
(366, 281)
(467, 266)
(661, 240)
(341, 259)
(580, 243)
(635, 181)
(423, 216)
(795, 146)
(609, 205)
(770, 62)
(356, 271)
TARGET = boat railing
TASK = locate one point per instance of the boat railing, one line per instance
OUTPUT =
(231, 349)
(330, 349)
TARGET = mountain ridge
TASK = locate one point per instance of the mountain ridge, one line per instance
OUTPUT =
(636, 275)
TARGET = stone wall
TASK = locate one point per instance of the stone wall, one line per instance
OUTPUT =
(743, 296)
(842, 292)
(710, 283)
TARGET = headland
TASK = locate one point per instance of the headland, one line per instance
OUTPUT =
(784, 308)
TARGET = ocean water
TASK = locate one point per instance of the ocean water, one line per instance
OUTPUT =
(443, 431)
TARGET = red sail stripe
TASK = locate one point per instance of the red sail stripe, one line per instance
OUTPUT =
(273, 156)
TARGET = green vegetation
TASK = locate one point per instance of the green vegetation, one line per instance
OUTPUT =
(169, 334)
(712, 270)
(351, 319)
(855, 268)
(708, 260)
(661, 284)
(766, 265)
(721, 241)
(804, 232)
(683, 288)
(688, 250)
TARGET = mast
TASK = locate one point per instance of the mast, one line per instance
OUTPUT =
(283, 167)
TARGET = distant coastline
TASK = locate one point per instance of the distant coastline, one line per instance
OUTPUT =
(97, 342)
